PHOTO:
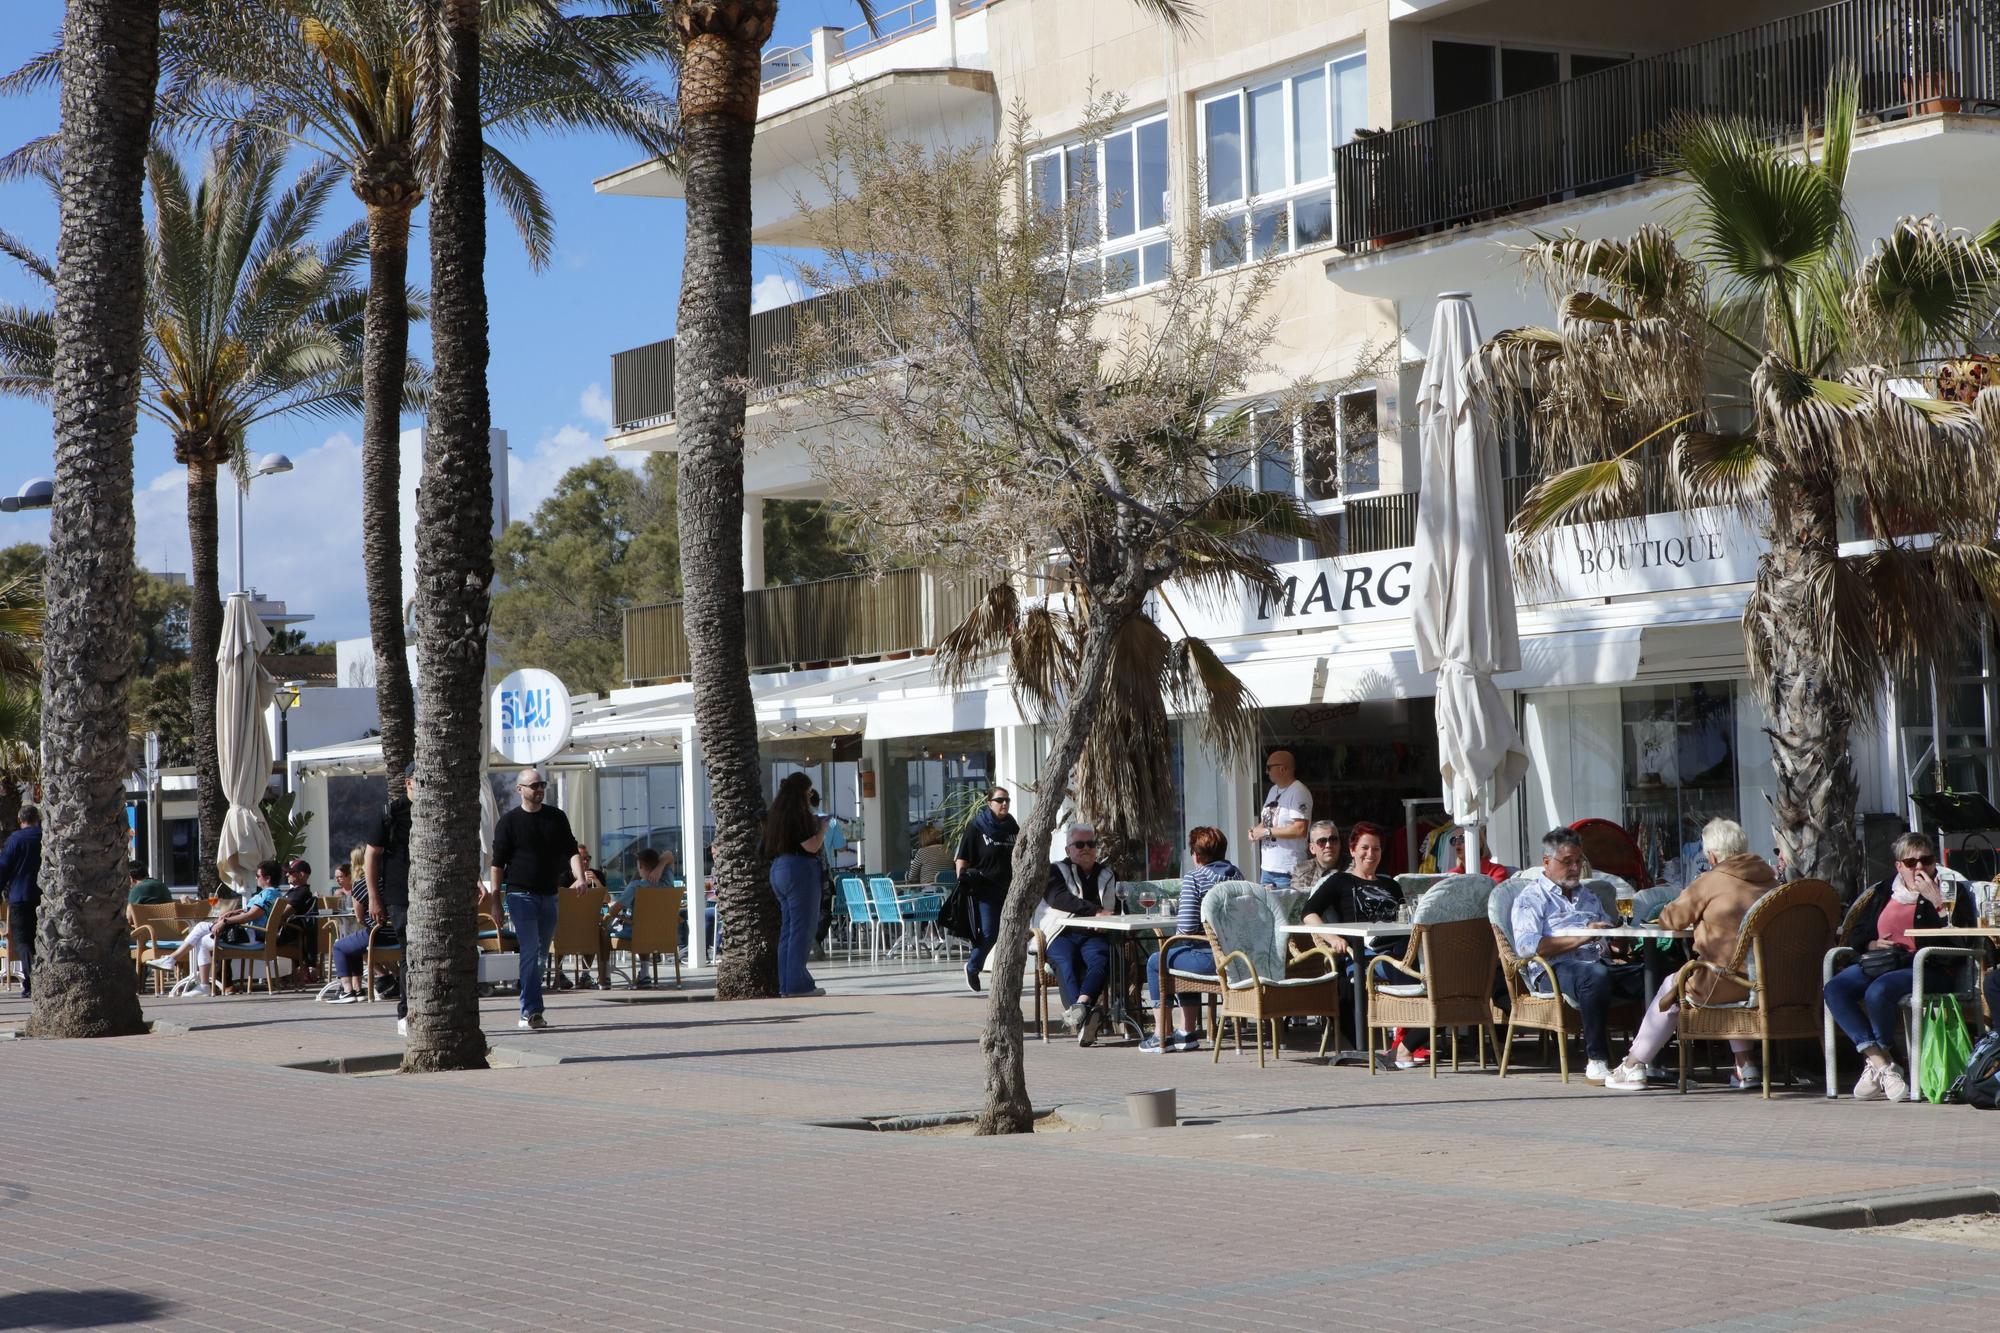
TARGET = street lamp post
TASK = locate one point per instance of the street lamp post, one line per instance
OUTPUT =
(37, 493)
(269, 467)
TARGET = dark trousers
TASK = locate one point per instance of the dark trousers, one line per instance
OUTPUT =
(21, 940)
(985, 916)
(1082, 961)
(1594, 986)
(399, 919)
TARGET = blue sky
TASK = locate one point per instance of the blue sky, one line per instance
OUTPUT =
(613, 284)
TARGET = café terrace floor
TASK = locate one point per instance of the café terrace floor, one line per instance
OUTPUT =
(671, 1169)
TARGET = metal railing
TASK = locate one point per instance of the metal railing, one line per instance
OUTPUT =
(642, 379)
(1602, 130)
(831, 620)
(1378, 523)
(787, 64)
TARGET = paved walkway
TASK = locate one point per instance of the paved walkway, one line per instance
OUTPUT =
(668, 1173)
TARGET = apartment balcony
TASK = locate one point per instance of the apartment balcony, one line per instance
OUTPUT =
(642, 378)
(1599, 133)
(801, 625)
(923, 68)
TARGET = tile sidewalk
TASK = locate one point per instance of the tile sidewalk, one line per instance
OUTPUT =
(668, 1174)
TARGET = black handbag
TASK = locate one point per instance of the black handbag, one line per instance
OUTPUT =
(1879, 962)
(955, 913)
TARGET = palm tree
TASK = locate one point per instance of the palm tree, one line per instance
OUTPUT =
(1812, 343)
(719, 47)
(247, 319)
(83, 972)
(347, 77)
(454, 569)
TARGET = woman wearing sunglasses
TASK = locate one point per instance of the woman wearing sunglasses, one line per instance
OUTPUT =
(1866, 997)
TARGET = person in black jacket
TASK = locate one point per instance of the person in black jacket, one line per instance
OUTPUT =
(985, 865)
(1866, 998)
(21, 881)
(1081, 958)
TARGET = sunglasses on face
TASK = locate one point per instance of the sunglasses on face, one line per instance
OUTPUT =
(1001, 800)
(1085, 846)
(534, 786)
(1918, 862)
(1324, 842)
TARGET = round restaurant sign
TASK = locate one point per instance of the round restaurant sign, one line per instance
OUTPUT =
(531, 717)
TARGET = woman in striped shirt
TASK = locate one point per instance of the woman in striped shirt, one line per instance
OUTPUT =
(1208, 848)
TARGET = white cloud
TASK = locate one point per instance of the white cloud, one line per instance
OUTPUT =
(776, 289)
(595, 404)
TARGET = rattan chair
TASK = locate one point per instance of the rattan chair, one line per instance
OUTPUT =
(1045, 980)
(1549, 1011)
(267, 951)
(1244, 926)
(1779, 946)
(157, 930)
(380, 958)
(652, 927)
(1450, 962)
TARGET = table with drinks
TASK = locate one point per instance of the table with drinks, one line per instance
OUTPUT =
(1130, 928)
(1362, 933)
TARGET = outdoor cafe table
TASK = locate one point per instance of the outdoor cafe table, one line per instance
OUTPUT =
(1942, 932)
(1130, 925)
(1650, 958)
(1364, 933)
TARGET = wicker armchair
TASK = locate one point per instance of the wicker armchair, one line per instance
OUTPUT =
(1547, 1011)
(267, 950)
(1244, 926)
(1451, 960)
(1784, 936)
(157, 930)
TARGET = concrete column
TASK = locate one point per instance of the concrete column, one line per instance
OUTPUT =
(694, 814)
(947, 25)
(826, 46)
(880, 847)
(753, 542)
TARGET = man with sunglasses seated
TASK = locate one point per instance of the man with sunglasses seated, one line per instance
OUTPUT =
(1081, 959)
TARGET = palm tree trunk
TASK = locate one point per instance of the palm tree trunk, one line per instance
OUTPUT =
(1008, 1109)
(204, 637)
(386, 339)
(718, 104)
(83, 971)
(454, 567)
(1810, 725)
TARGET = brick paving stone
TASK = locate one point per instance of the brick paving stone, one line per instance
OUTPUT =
(668, 1174)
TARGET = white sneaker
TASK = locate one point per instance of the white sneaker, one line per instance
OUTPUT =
(533, 1021)
(1868, 1088)
(402, 1027)
(1894, 1086)
(1627, 1077)
(1596, 1072)
(1074, 1015)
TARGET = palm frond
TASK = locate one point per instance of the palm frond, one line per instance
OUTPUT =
(522, 200)
(986, 630)
(1200, 685)
(1720, 468)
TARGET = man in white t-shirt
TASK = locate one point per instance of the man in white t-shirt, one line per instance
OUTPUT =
(1281, 825)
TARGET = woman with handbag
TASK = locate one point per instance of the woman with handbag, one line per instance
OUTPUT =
(985, 864)
(1866, 997)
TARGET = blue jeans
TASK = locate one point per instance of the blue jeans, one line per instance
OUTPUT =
(795, 879)
(1082, 962)
(1594, 986)
(1870, 1011)
(1181, 958)
(1277, 879)
(985, 929)
(534, 918)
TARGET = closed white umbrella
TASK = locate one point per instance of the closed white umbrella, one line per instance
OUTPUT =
(1463, 605)
(244, 692)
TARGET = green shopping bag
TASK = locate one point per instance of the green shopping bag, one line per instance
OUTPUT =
(1947, 1046)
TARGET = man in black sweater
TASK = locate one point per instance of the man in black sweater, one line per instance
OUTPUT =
(531, 845)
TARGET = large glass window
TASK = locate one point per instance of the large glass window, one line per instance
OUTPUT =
(1326, 455)
(1469, 74)
(638, 807)
(937, 780)
(1267, 152)
(1966, 719)
(1680, 769)
(1118, 187)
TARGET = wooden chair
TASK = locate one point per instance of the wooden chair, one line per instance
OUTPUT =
(1548, 1011)
(580, 929)
(1450, 962)
(267, 951)
(157, 930)
(1779, 949)
(652, 927)
(1244, 925)
(380, 958)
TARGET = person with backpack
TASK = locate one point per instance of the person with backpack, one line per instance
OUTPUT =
(985, 865)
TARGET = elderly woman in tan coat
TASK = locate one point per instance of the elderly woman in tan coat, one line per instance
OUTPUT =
(1713, 907)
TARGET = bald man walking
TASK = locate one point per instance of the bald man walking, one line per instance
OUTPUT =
(531, 844)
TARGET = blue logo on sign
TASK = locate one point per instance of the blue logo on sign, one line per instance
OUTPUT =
(524, 709)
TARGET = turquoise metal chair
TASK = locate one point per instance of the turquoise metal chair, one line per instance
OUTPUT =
(854, 901)
(889, 909)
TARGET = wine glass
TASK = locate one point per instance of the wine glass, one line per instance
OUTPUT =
(1147, 900)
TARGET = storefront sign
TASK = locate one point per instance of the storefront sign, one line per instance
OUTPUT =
(531, 717)
(1703, 548)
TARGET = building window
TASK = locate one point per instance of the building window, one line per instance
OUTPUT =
(1965, 720)
(1469, 74)
(1267, 154)
(1118, 186)
(638, 806)
(1324, 456)
(1680, 770)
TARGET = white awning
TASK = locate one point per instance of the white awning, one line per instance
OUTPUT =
(1548, 661)
(938, 714)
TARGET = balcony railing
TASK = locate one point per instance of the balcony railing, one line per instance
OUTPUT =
(785, 64)
(1602, 131)
(802, 624)
(642, 379)
(1378, 523)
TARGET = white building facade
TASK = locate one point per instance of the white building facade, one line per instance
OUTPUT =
(1509, 117)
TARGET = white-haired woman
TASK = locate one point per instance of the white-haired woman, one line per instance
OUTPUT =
(1713, 907)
